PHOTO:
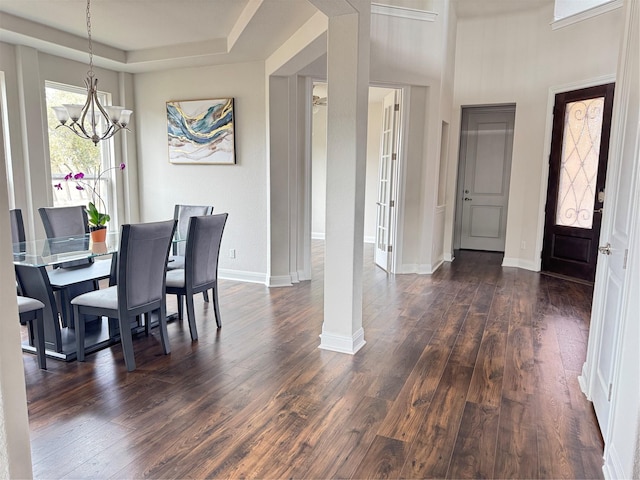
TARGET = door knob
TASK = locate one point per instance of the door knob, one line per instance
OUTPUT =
(467, 199)
(606, 249)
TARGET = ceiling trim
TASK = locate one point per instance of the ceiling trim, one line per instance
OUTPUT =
(403, 12)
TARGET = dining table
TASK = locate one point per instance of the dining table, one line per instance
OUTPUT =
(41, 260)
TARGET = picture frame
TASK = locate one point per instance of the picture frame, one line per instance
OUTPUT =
(201, 131)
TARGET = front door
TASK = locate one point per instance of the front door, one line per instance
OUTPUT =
(386, 177)
(485, 149)
(575, 193)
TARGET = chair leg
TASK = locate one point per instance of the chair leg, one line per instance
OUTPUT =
(191, 316)
(39, 338)
(127, 343)
(216, 308)
(162, 326)
(78, 323)
(180, 307)
(205, 295)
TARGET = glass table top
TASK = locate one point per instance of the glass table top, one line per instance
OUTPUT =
(53, 251)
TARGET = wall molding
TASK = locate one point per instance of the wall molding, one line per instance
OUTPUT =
(403, 12)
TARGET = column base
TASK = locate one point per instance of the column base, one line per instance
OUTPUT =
(342, 343)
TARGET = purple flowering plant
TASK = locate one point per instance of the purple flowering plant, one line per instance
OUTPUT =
(97, 219)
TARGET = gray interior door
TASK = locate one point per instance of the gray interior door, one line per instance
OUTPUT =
(485, 153)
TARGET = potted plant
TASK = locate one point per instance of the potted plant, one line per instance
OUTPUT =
(97, 219)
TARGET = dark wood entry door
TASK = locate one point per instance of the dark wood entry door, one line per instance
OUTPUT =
(577, 169)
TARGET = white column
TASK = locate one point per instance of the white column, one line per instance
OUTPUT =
(15, 449)
(348, 85)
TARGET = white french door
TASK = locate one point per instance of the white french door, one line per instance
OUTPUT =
(386, 179)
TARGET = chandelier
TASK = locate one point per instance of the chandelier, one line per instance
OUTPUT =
(92, 121)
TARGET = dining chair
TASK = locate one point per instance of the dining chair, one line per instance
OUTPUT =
(200, 272)
(139, 290)
(34, 283)
(70, 279)
(182, 214)
(31, 312)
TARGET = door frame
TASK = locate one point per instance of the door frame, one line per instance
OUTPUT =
(457, 222)
(544, 177)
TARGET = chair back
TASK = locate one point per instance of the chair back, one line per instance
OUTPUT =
(64, 221)
(142, 264)
(34, 283)
(203, 249)
(182, 213)
(17, 226)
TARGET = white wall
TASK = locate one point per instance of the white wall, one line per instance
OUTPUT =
(240, 190)
(518, 58)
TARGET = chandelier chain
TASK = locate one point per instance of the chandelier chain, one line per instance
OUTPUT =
(89, 36)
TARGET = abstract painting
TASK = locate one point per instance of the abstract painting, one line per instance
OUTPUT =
(201, 131)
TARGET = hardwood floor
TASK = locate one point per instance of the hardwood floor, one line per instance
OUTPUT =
(468, 373)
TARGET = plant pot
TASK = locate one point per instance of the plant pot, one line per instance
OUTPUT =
(99, 235)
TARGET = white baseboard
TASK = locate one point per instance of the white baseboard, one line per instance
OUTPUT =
(240, 276)
(520, 263)
(342, 343)
(582, 381)
(418, 268)
(448, 257)
(321, 236)
(612, 467)
(279, 281)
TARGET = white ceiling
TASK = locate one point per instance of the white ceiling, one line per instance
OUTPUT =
(139, 35)
(143, 35)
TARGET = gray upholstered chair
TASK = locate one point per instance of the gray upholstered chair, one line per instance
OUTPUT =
(200, 272)
(31, 312)
(140, 288)
(74, 278)
(34, 283)
(182, 213)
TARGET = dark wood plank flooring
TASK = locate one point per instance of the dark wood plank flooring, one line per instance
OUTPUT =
(468, 373)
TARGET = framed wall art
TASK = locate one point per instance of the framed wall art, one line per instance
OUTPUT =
(201, 131)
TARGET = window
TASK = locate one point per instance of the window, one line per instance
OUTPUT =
(568, 12)
(70, 154)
